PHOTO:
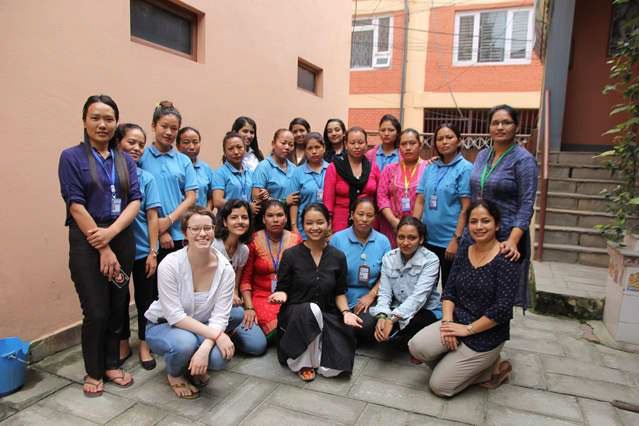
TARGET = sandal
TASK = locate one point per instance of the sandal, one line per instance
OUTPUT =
(496, 380)
(306, 374)
(90, 381)
(178, 387)
(120, 379)
(200, 381)
(123, 360)
(415, 361)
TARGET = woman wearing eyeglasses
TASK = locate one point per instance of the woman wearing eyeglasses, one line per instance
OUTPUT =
(506, 174)
(188, 324)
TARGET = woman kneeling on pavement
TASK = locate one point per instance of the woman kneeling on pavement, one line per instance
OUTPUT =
(408, 299)
(314, 323)
(477, 308)
(188, 323)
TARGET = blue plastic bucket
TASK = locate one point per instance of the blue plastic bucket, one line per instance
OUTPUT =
(13, 364)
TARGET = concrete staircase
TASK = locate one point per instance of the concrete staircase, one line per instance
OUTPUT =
(574, 206)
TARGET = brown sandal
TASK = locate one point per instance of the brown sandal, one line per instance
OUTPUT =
(496, 380)
(178, 386)
(120, 379)
(88, 380)
(306, 374)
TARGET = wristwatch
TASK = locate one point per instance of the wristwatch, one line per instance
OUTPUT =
(154, 252)
(469, 327)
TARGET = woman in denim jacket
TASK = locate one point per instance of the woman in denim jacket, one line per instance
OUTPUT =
(408, 299)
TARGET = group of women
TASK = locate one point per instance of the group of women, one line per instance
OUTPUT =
(349, 246)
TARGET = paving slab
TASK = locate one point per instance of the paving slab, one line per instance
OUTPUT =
(536, 401)
(396, 396)
(541, 346)
(500, 416)
(341, 384)
(268, 415)
(593, 389)
(386, 352)
(468, 407)
(377, 415)
(572, 367)
(71, 400)
(329, 407)
(268, 367)
(68, 364)
(173, 420)
(39, 414)
(407, 375)
(420, 420)
(628, 418)
(598, 413)
(6, 411)
(139, 415)
(618, 359)
(238, 404)
(580, 349)
(524, 333)
(527, 369)
(38, 384)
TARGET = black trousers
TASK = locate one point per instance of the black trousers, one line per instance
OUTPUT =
(444, 264)
(162, 252)
(366, 334)
(102, 302)
(146, 291)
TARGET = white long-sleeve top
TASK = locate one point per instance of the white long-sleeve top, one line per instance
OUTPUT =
(177, 298)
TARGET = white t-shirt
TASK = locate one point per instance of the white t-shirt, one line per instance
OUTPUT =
(239, 257)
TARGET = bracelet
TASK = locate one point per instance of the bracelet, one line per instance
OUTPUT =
(469, 327)
(447, 321)
(249, 309)
(382, 316)
(345, 310)
(154, 252)
(170, 219)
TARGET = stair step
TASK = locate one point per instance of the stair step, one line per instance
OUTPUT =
(585, 171)
(581, 186)
(575, 157)
(569, 253)
(571, 200)
(573, 235)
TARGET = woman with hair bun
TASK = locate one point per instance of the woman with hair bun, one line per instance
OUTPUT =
(101, 191)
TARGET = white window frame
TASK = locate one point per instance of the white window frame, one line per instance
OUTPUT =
(374, 26)
(507, 46)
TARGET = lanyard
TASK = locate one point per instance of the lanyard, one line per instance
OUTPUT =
(443, 171)
(487, 171)
(320, 183)
(111, 175)
(276, 263)
(241, 182)
(406, 178)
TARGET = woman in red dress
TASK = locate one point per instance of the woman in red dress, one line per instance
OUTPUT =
(259, 277)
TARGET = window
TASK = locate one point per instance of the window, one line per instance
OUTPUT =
(308, 76)
(164, 24)
(493, 37)
(622, 17)
(372, 43)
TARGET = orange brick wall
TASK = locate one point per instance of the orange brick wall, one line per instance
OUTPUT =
(441, 75)
(368, 118)
(383, 80)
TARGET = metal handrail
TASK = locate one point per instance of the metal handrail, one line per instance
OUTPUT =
(469, 141)
(543, 195)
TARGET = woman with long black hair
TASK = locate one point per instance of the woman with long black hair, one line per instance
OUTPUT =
(100, 188)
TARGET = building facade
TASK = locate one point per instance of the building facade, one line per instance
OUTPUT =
(429, 61)
(214, 60)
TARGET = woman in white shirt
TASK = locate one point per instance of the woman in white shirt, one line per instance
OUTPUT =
(188, 323)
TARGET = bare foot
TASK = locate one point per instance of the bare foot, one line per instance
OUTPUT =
(145, 351)
(125, 351)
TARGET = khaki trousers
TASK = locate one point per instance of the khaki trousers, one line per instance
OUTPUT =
(457, 369)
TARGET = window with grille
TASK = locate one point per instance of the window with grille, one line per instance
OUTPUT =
(372, 43)
(474, 120)
(165, 25)
(493, 37)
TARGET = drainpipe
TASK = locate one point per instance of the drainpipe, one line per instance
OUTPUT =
(404, 63)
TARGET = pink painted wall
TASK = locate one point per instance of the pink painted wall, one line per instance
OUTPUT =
(55, 54)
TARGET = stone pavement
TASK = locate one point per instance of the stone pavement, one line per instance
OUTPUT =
(559, 378)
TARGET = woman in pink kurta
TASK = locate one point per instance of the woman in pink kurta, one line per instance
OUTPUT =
(398, 184)
(349, 178)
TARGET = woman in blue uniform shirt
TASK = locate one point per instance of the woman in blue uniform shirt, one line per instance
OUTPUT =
(232, 180)
(188, 143)
(174, 174)
(100, 188)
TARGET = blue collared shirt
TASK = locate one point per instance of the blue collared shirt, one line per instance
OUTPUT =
(150, 200)
(448, 183)
(357, 254)
(236, 184)
(270, 176)
(174, 174)
(384, 160)
(77, 186)
(204, 181)
(407, 287)
(308, 183)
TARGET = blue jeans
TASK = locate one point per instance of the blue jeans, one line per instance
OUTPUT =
(178, 345)
(252, 341)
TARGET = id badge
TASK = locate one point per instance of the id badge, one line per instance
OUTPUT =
(116, 205)
(405, 204)
(320, 194)
(273, 285)
(363, 274)
(432, 202)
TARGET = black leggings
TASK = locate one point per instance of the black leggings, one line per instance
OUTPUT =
(102, 302)
(444, 264)
(146, 291)
(422, 318)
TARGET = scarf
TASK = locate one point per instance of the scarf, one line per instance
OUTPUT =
(355, 185)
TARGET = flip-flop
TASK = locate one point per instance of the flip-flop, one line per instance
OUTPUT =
(96, 383)
(200, 382)
(306, 374)
(193, 395)
(496, 380)
(120, 385)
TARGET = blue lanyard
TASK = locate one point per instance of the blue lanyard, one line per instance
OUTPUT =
(111, 175)
(276, 263)
(241, 182)
(443, 171)
(320, 183)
